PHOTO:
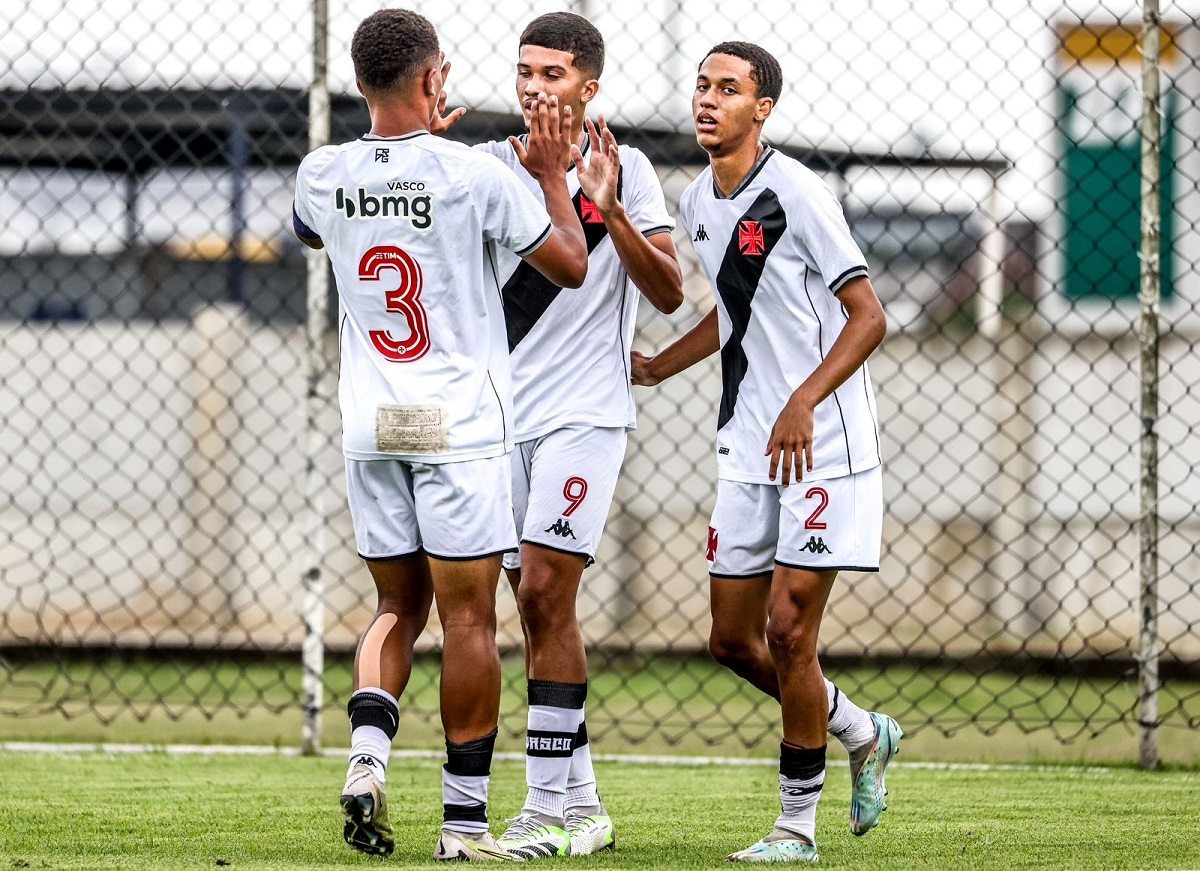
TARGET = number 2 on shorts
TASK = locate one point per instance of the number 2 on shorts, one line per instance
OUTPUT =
(821, 494)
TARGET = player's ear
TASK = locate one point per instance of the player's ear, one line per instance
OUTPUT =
(358, 84)
(431, 80)
(763, 111)
(590, 89)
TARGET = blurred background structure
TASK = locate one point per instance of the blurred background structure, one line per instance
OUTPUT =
(170, 488)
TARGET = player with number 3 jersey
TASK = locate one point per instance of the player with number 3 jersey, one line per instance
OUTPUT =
(413, 225)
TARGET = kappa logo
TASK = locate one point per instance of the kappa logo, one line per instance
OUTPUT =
(815, 545)
(750, 239)
(382, 155)
(701, 234)
(589, 211)
(367, 761)
(561, 528)
(711, 554)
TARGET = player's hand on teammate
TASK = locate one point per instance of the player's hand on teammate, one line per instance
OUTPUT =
(548, 152)
(599, 177)
(639, 368)
(441, 122)
(791, 443)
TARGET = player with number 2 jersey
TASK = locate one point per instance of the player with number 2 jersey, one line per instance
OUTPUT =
(799, 489)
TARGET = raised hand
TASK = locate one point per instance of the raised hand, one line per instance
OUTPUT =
(548, 152)
(599, 179)
(441, 122)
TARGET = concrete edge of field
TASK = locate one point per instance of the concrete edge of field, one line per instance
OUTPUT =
(51, 747)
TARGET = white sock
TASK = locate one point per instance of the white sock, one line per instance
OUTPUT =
(801, 776)
(581, 782)
(370, 745)
(849, 723)
(555, 712)
(374, 716)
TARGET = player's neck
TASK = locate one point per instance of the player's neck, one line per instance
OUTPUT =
(729, 169)
(397, 118)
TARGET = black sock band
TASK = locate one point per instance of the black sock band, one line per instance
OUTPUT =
(552, 694)
(371, 709)
(473, 758)
(581, 737)
(801, 763)
(837, 697)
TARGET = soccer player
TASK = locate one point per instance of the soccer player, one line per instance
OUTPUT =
(574, 406)
(412, 225)
(799, 491)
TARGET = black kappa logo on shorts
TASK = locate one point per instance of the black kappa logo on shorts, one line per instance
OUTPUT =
(815, 545)
(561, 528)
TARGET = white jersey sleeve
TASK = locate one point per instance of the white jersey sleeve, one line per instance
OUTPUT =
(824, 233)
(644, 203)
(511, 216)
(305, 214)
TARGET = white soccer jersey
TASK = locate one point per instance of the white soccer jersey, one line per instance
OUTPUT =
(777, 251)
(570, 351)
(412, 225)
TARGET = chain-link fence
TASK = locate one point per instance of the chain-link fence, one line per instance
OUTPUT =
(164, 452)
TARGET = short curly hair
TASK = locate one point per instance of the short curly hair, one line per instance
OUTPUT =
(390, 46)
(566, 31)
(764, 69)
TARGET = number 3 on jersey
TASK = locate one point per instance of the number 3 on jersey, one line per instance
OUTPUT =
(404, 300)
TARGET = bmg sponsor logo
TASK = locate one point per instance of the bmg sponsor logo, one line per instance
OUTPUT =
(362, 204)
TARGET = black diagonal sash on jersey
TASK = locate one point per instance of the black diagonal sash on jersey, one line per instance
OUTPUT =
(527, 293)
(737, 281)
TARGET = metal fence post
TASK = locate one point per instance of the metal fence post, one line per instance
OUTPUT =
(1148, 336)
(317, 292)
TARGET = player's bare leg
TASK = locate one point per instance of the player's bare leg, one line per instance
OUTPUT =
(465, 593)
(738, 638)
(738, 642)
(382, 667)
(562, 807)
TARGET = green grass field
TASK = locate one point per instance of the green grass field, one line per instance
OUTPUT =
(648, 705)
(167, 812)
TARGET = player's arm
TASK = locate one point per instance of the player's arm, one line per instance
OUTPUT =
(562, 258)
(702, 340)
(650, 261)
(305, 233)
(791, 441)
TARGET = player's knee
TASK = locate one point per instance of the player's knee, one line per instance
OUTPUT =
(733, 652)
(542, 607)
(469, 616)
(791, 639)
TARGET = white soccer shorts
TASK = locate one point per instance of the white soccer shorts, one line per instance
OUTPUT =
(834, 524)
(450, 510)
(562, 486)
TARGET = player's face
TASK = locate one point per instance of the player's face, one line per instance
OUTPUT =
(546, 70)
(726, 107)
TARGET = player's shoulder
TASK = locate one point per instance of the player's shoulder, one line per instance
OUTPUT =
(498, 148)
(319, 158)
(787, 175)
